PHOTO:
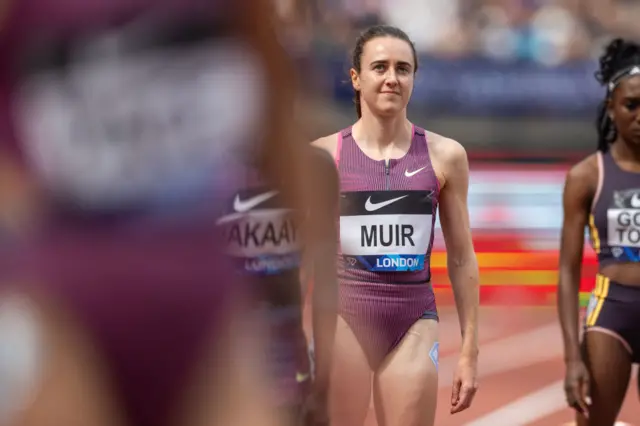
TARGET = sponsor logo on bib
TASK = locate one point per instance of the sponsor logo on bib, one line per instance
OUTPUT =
(386, 230)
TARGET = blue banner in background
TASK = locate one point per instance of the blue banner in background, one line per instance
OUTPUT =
(482, 87)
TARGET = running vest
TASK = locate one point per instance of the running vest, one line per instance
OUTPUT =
(387, 213)
(614, 223)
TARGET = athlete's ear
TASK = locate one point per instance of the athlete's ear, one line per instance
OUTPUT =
(355, 79)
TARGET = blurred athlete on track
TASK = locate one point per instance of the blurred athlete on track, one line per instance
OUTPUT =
(265, 243)
(116, 119)
(603, 192)
(393, 175)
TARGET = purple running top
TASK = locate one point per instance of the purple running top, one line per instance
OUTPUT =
(387, 213)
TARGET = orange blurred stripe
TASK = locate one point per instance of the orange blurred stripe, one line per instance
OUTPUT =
(518, 260)
(506, 277)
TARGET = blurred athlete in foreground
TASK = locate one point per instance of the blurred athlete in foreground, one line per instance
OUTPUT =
(267, 247)
(117, 119)
(603, 192)
(393, 175)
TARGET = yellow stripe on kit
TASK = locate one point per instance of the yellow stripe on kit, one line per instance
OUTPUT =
(593, 301)
(600, 293)
(595, 238)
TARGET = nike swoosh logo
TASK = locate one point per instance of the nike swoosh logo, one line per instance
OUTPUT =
(635, 201)
(377, 206)
(407, 173)
(242, 206)
(302, 377)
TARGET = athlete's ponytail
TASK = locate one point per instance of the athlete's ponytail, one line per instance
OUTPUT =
(620, 59)
(371, 33)
(606, 129)
(356, 100)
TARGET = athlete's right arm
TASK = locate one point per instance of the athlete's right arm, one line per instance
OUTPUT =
(328, 144)
(280, 154)
(322, 261)
(325, 288)
(579, 190)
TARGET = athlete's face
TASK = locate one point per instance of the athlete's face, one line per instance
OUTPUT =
(385, 80)
(624, 109)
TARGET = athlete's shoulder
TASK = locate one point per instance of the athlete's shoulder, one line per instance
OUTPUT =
(320, 156)
(585, 169)
(327, 143)
(582, 180)
(324, 184)
(323, 168)
(444, 149)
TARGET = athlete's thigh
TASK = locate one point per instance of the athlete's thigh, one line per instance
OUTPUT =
(406, 384)
(609, 365)
(350, 391)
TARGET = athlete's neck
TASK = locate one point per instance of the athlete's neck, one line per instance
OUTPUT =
(383, 135)
(625, 151)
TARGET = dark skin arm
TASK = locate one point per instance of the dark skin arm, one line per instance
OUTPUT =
(323, 235)
(579, 190)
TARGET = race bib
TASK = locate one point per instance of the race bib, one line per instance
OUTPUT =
(116, 125)
(623, 225)
(386, 230)
(260, 234)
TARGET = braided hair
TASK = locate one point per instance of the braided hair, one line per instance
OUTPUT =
(371, 33)
(619, 60)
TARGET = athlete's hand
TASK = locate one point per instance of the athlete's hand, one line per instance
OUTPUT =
(465, 384)
(576, 387)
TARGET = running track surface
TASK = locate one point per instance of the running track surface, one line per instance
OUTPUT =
(520, 371)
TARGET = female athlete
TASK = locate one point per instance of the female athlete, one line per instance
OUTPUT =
(393, 175)
(115, 117)
(603, 192)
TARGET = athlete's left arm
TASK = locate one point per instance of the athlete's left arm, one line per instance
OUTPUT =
(462, 264)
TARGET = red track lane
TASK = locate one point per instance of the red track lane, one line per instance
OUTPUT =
(521, 356)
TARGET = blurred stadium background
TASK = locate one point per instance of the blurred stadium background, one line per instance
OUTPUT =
(513, 81)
